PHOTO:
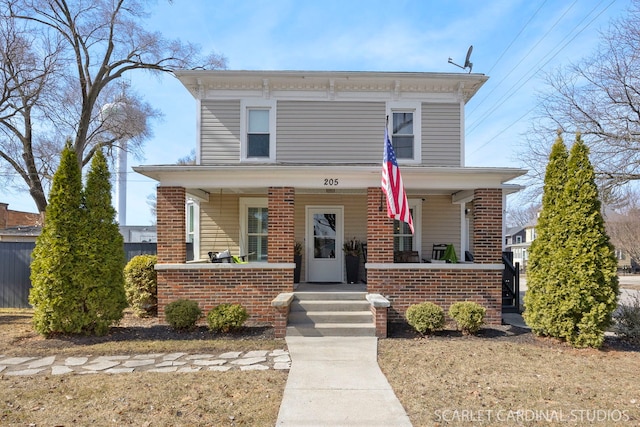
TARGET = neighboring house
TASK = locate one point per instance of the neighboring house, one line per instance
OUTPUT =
(295, 156)
(139, 233)
(518, 240)
(18, 226)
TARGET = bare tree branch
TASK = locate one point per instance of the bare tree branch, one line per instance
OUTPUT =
(62, 61)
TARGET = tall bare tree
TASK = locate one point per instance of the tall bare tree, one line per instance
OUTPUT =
(61, 65)
(599, 96)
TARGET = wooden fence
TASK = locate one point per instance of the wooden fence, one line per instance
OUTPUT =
(15, 269)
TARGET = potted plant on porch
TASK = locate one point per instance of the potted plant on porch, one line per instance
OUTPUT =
(352, 250)
(297, 258)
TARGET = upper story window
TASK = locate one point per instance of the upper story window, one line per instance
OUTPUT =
(402, 136)
(258, 130)
(406, 132)
(258, 133)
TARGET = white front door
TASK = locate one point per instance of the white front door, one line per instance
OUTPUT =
(324, 244)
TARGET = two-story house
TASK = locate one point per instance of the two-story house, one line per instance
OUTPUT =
(296, 156)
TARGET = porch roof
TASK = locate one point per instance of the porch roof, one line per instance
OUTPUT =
(249, 177)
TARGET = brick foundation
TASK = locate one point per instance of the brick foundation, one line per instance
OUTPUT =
(405, 287)
(254, 288)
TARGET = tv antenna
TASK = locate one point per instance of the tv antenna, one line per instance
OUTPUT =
(467, 64)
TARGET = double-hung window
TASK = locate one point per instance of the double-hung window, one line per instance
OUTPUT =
(193, 225)
(258, 130)
(403, 240)
(405, 130)
(254, 222)
(258, 133)
(402, 136)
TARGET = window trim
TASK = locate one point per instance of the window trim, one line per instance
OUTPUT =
(416, 205)
(414, 107)
(245, 204)
(195, 203)
(258, 104)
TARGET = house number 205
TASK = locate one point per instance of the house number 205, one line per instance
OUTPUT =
(330, 182)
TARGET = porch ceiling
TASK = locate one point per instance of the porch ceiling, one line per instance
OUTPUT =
(347, 179)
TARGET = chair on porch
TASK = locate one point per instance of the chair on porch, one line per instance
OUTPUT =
(437, 253)
(226, 257)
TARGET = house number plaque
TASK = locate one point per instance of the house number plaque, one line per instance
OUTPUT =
(331, 182)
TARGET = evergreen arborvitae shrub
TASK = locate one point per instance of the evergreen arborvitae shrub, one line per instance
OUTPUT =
(592, 285)
(572, 277)
(182, 314)
(425, 317)
(468, 315)
(226, 317)
(103, 259)
(141, 285)
(547, 268)
(57, 293)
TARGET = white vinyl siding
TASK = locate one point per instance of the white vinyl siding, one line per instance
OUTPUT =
(328, 131)
(220, 133)
(441, 138)
(219, 225)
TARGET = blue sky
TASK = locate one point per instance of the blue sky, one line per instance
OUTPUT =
(514, 43)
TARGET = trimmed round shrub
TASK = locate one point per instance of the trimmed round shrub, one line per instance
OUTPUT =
(141, 285)
(425, 317)
(468, 315)
(182, 314)
(226, 317)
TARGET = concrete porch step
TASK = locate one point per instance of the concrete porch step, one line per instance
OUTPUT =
(323, 314)
(329, 305)
(327, 296)
(315, 317)
(332, 330)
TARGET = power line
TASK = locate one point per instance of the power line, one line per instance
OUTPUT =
(540, 68)
(510, 93)
(544, 36)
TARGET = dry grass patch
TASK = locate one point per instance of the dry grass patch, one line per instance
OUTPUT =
(486, 381)
(143, 399)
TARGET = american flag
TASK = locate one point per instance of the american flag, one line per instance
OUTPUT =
(392, 186)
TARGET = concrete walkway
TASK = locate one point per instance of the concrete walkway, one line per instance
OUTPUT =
(336, 381)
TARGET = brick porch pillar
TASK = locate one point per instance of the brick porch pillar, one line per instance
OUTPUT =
(379, 228)
(170, 211)
(487, 226)
(281, 224)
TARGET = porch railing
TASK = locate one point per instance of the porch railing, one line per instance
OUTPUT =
(510, 284)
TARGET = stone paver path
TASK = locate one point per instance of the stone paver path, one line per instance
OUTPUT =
(159, 362)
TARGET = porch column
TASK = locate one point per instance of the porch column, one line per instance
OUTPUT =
(487, 226)
(379, 228)
(170, 210)
(281, 224)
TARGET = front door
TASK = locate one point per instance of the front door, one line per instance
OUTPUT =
(324, 244)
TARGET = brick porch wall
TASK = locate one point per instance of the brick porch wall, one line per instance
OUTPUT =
(254, 288)
(171, 223)
(252, 285)
(379, 228)
(281, 224)
(405, 287)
